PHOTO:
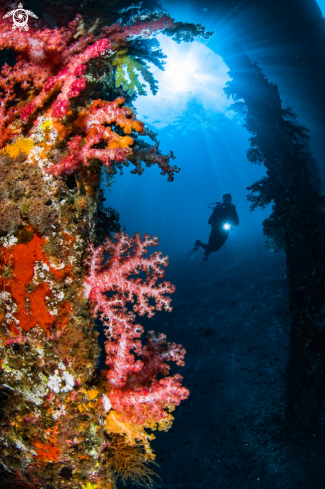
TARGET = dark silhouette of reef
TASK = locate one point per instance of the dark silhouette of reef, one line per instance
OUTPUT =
(286, 39)
(296, 224)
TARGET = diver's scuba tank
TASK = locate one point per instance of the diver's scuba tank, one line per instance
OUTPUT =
(224, 225)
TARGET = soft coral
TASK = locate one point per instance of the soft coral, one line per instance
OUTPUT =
(135, 390)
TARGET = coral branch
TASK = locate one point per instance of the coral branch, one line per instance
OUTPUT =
(139, 406)
(69, 81)
(132, 84)
(47, 60)
(135, 390)
(118, 147)
(126, 258)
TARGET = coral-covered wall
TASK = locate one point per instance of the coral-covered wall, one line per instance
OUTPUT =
(62, 421)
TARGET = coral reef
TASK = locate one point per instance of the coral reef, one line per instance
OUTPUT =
(60, 420)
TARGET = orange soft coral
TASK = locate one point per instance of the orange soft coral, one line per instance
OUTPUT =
(96, 125)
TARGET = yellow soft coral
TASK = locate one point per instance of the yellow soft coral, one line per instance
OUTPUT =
(24, 145)
(128, 65)
(89, 485)
(137, 434)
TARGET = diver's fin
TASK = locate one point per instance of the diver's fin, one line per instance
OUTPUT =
(192, 254)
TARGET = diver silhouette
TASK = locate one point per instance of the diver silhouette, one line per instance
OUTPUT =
(223, 217)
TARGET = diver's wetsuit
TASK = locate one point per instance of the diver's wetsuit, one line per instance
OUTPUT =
(221, 214)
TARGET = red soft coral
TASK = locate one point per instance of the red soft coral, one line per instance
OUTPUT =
(136, 392)
(43, 56)
(53, 60)
(70, 81)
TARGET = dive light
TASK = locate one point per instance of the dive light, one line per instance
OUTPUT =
(226, 226)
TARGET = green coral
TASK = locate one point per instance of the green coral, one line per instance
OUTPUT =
(128, 65)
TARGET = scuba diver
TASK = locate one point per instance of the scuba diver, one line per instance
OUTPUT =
(223, 217)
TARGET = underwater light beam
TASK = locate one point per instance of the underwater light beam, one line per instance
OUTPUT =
(192, 71)
(321, 4)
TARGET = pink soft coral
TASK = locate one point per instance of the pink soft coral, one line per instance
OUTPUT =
(95, 125)
(135, 392)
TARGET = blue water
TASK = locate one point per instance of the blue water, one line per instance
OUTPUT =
(193, 118)
(321, 4)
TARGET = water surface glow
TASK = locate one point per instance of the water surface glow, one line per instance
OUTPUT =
(192, 71)
(321, 4)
